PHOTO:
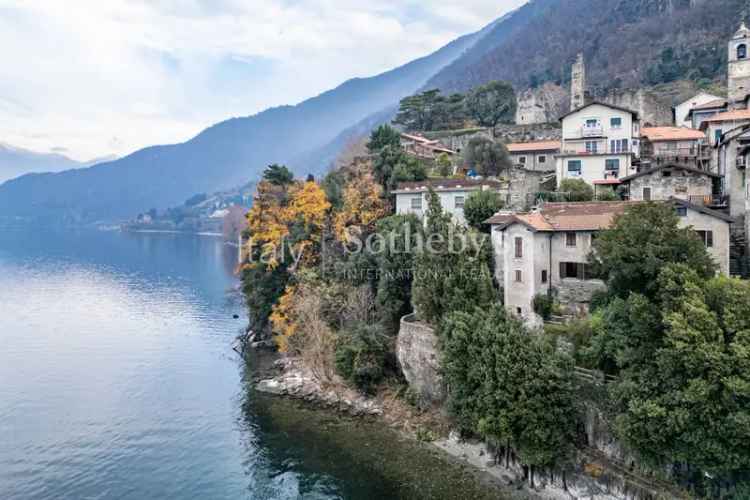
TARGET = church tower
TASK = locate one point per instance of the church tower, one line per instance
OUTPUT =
(578, 84)
(738, 80)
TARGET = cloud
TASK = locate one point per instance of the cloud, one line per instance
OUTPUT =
(80, 73)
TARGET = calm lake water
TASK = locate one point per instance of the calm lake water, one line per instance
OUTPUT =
(117, 380)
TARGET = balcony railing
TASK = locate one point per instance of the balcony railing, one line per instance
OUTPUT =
(711, 201)
(592, 131)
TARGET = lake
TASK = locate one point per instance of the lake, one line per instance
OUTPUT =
(117, 380)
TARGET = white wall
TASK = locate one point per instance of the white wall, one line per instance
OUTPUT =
(447, 201)
(720, 228)
(681, 111)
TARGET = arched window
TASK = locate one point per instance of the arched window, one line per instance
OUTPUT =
(742, 51)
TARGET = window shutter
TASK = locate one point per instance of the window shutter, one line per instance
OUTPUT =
(709, 239)
(562, 270)
(581, 272)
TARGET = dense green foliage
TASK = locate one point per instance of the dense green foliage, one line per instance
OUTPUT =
(543, 304)
(430, 110)
(492, 103)
(683, 364)
(278, 175)
(446, 278)
(361, 356)
(487, 157)
(642, 241)
(508, 385)
(262, 288)
(383, 136)
(576, 190)
(480, 206)
(392, 166)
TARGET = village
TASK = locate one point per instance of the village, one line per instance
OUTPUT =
(693, 158)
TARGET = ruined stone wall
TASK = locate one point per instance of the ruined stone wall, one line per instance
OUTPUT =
(650, 109)
(419, 357)
(679, 184)
(528, 133)
(543, 104)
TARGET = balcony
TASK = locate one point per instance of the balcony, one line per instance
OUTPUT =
(709, 201)
(740, 163)
(597, 131)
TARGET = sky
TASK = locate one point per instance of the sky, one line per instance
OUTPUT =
(94, 78)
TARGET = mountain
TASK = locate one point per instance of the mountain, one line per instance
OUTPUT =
(17, 161)
(227, 154)
(626, 44)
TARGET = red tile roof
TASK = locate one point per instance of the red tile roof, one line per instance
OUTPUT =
(655, 134)
(716, 103)
(730, 116)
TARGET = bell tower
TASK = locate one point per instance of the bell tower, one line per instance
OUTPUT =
(738, 78)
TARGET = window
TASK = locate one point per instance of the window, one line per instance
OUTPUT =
(612, 165)
(618, 146)
(647, 194)
(592, 146)
(570, 239)
(742, 51)
(717, 136)
(682, 211)
(666, 173)
(707, 237)
(576, 270)
(574, 167)
(519, 311)
(522, 160)
(615, 122)
(459, 201)
(545, 278)
(519, 276)
(542, 159)
(416, 203)
(592, 123)
(519, 248)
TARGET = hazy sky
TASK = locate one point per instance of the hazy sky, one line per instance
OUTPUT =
(89, 78)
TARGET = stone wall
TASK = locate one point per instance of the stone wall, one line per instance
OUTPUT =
(523, 185)
(419, 357)
(544, 104)
(575, 295)
(527, 133)
(679, 184)
(650, 109)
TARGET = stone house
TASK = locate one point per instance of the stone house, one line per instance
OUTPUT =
(411, 197)
(537, 155)
(730, 135)
(661, 145)
(682, 116)
(600, 142)
(673, 181)
(545, 252)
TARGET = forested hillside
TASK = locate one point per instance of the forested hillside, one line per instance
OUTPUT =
(626, 43)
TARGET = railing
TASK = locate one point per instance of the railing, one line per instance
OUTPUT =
(592, 131)
(709, 200)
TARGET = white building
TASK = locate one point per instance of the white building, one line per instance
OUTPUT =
(411, 197)
(600, 144)
(545, 252)
(682, 116)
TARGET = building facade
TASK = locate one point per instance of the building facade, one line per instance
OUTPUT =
(663, 145)
(682, 116)
(600, 142)
(673, 181)
(545, 252)
(411, 197)
(536, 156)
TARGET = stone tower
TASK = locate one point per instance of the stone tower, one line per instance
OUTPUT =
(738, 80)
(578, 84)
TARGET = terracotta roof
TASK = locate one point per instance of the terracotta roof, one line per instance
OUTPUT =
(417, 138)
(447, 184)
(670, 166)
(592, 103)
(729, 116)
(500, 219)
(703, 210)
(655, 134)
(585, 216)
(519, 147)
(716, 103)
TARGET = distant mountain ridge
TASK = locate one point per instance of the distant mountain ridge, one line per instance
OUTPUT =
(224, 155)
(15, 161)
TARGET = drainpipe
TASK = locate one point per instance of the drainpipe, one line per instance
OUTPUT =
(549, 272)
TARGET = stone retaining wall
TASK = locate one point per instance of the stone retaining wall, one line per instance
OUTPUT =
(419, 356)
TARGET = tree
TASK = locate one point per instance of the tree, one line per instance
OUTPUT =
(383, 136)
(683, 359)
(480, 206)
(576, 190)
(363, 205)
(444, 165)
(487, 157)
(278, 175)
(392, 166)
(492, 103)
(415, 112)
(449, 274)
(509, 386)
(640, 243)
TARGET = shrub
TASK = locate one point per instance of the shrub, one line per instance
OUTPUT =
(480, 206)
(576, 190)
(543, 305)
(361, 356)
